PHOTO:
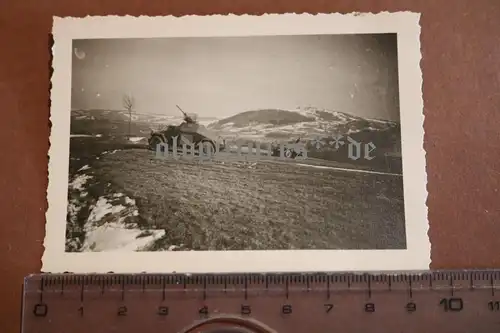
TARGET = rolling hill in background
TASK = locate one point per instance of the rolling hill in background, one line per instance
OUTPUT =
(308, 123)
(115, 123)
(266, 124)
(318, 128)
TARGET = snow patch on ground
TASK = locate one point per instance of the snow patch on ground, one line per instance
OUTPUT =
(83, 168)
(110, 152)
(111, 223)
(301, 129)
(85, 136)
(79, 182)
(103, 208)
(110, 226)
(136, 139)
(80, 136)
(116, 237)
(349, 170)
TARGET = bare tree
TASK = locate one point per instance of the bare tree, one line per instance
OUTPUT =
(128, 104)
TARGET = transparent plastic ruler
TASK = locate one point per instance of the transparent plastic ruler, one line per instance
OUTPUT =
(438, 301)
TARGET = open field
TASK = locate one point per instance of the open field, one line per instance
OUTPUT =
(122, 198)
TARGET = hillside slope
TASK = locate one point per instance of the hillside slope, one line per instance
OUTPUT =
(307, 123)
(133, 202)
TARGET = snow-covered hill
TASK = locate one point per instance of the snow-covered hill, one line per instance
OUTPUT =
(116, 122)
(307, 123)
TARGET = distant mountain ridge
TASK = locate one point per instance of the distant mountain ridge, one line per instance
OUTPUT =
(263, 124)
(308, 122)
(263, 116)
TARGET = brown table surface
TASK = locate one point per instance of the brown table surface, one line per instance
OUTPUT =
(461, 69)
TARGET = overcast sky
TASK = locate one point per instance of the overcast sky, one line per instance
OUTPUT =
(220, 77)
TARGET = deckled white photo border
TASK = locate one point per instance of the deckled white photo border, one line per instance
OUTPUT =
(405, 24)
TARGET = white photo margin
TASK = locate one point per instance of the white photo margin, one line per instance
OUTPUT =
(405, 24)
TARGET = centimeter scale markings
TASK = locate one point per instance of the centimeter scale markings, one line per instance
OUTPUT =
(441, 301)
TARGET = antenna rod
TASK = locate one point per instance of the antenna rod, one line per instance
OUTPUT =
(180, 108)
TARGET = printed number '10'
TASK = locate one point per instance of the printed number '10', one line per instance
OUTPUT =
(452, 304)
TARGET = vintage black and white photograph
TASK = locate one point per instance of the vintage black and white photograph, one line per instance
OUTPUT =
(244, 143)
